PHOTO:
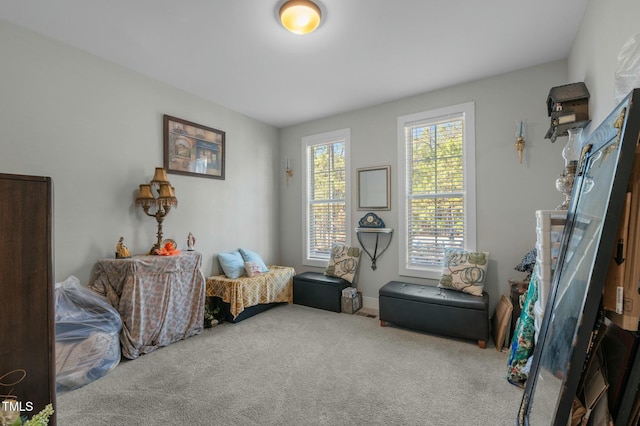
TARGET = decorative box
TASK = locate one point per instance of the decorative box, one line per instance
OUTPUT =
(352, 305)
(568, 107)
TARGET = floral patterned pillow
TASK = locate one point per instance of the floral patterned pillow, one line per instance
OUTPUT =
(343, 262)
(464, 271)
(253, 268)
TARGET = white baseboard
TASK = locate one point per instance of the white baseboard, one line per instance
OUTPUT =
(370, 303)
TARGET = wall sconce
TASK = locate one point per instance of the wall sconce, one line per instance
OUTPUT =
(161, 203)
(519, 139)
(287, 170)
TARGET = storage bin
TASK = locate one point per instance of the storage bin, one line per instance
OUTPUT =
(549, 229)
(351, 305)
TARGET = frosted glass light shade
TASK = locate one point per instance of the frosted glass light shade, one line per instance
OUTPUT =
(300, 16)
(571, 151)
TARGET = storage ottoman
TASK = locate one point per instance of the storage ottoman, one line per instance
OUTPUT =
(318, 291)
(435, 310)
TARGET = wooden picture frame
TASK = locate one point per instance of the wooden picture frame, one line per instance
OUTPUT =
(193, 149)
(500, 321)
(374, 188)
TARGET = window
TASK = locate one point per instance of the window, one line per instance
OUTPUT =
(436, 189)
(327, 191)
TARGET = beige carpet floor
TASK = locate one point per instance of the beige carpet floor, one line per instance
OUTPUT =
(295, 365)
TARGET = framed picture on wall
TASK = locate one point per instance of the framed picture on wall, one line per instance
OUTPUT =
(193, 149)
(374, 188)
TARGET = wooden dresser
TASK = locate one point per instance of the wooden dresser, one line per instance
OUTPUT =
(27, 332)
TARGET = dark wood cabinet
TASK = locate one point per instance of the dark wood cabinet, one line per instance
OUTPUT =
(27, 330)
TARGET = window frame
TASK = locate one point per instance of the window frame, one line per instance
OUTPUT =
(469, 193)
(324, 139)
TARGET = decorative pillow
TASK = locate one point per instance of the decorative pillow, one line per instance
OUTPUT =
(464, 271)
(232, 264)
(343, 262)
(252, 268)
(252, 256)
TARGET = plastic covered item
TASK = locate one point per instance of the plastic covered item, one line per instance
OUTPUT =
(87, 335)
(628, 73)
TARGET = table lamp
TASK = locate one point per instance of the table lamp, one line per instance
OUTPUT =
(159, 205)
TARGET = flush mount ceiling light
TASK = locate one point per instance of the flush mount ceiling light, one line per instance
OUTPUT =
(300, 16)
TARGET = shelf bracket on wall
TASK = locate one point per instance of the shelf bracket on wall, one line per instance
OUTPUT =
(377, 250)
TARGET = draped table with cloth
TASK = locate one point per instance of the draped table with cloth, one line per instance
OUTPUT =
(274, 286)
(160, 298)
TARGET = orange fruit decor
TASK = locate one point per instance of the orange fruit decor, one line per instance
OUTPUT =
(169, 249)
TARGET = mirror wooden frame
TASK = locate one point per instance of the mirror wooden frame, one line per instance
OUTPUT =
(371, 176)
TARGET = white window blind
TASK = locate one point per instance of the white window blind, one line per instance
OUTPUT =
(435, 190)
(326, 194)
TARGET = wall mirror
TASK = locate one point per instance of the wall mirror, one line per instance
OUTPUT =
(374, 188)
(586, 251)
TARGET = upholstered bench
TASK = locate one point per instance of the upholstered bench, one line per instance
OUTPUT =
(318, 291)
(435, 310)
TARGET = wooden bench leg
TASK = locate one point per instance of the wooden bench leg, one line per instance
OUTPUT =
(482, 344)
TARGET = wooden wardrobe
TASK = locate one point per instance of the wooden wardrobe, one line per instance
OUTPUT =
(27, 329)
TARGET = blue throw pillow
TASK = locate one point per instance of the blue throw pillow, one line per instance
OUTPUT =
(232, 264)
(251, 256)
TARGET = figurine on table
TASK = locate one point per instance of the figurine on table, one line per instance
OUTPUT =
(122, 252)
(191, 242)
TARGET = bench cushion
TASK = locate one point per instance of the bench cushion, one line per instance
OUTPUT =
(320, 278)
(435, 295)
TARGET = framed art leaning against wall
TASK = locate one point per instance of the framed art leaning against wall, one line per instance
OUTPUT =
(193, 149)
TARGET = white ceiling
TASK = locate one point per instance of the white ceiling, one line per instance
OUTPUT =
(365, 52)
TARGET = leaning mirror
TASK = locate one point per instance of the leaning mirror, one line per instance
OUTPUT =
(374, 188)
(586, 251)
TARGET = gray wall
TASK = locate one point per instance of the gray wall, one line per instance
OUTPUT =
(96, 129)
(508, 193)
(605, 28)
